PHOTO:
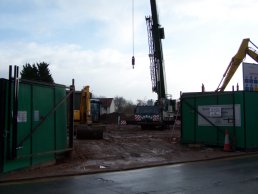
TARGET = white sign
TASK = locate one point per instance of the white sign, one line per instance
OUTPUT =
(22, 117)
(36, 115)
(219, 115)
(250, 76)
(215, 111)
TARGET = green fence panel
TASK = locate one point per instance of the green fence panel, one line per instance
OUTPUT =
(43, 137)
(243, 131)
(24, 125)
(36, 100)
(188, 120)
(205, 134)
(251, 115)
(61, 120)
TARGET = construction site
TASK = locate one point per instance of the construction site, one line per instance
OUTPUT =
(51, 130)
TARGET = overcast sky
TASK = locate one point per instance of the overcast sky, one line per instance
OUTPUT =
(91, 41)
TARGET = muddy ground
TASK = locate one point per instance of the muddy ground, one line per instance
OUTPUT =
(124, 147)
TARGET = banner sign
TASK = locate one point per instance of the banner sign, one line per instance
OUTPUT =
(219, 115)
(250, 76)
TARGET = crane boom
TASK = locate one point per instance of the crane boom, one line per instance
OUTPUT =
(155, 34)
(236, 61)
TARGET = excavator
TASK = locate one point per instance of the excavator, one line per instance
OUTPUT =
(83, 118)
(243, 50)
(84, 114)
(162, 112)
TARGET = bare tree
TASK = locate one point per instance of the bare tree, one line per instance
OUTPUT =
(120, 103)
(141, 102)
(129, 108)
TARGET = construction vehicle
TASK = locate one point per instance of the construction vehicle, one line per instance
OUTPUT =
(162, 113)
(85, 112)
(83, 115)
(84, 127)
(243, 50)
(95, 110)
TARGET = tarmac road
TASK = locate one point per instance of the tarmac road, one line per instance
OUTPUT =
(236, 175)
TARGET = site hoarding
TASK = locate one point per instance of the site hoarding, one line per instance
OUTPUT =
(206, 116)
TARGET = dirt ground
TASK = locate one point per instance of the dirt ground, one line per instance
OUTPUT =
(122, 148)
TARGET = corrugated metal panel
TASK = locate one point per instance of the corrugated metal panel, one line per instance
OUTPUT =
(60, 122)
(43, 137)
(200, 124)
(188, 125)
(35, 102)
(3, 89)
(251, 119)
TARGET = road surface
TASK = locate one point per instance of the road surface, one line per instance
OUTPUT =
(239, 175)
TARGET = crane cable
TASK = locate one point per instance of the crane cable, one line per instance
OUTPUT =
(133, 58)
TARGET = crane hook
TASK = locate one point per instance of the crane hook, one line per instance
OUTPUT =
(133, 61)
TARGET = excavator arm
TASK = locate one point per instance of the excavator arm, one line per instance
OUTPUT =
(85, 112)
(236, 61)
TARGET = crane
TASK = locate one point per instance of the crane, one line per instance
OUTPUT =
(155, 35)
(162, 112)
(243, 50)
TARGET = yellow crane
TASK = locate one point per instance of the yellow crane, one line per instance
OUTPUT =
(243, 50)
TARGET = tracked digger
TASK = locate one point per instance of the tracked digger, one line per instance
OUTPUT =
(83, 115)
(83, 120)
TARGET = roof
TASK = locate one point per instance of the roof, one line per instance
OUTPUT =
(105, 102)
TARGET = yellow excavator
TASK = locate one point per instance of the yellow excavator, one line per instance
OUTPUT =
(243, 50)
(84, 127)
(83, 115)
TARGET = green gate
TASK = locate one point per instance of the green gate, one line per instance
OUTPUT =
(33, 123)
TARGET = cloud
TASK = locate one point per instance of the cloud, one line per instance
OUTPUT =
(209, 10)
(91, 41)
(108, 72)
